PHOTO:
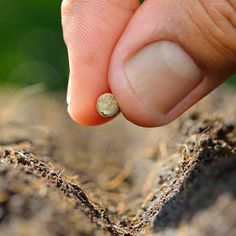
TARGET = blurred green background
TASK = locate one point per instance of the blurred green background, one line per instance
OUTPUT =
(31, 44)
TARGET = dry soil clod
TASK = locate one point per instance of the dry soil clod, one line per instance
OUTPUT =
(107, 105)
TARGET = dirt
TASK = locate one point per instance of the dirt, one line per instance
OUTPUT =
(58, 178)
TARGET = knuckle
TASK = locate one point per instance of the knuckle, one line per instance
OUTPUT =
(66, 6)
(69, 15)
(212, 31)
(223, 16)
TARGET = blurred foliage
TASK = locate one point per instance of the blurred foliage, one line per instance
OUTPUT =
(232, 81)
(31, 44)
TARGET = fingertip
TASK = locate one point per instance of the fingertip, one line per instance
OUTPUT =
(131, 107)
(86, 116)
(138, 113)
(90, 38)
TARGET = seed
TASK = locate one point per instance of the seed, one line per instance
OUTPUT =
(107, 105)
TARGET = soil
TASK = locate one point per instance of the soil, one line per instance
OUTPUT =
(58, 178)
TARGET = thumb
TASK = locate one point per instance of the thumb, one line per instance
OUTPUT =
(172, 54)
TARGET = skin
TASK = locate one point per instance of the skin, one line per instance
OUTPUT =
(102, 34)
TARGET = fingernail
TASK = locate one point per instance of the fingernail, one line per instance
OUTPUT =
(161, 75)
(68, 96)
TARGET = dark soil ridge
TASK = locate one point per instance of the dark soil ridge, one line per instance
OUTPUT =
(209, 151)
(210, 142)
(28, 163)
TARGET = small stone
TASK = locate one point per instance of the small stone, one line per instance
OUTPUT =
(107, 105)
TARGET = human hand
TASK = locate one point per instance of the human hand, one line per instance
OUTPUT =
(158, 58)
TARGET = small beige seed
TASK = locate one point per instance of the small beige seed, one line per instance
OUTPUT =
(107, 105)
